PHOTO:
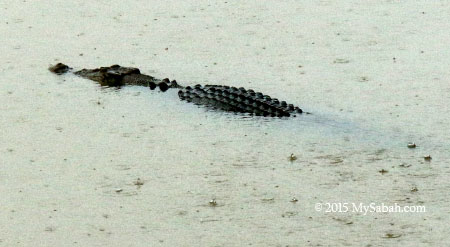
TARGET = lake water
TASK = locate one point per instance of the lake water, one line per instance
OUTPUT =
(82, 165)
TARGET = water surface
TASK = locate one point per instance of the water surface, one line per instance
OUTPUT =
(91, 166)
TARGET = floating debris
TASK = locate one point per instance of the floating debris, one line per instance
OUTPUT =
(427, 158)
(383, 171)
(289, 214)
(268, 200)
(49, 229)
(412, 145)
(391, 235)
(341, 60)
(292, 157)
(363, 79)
(344, 221)
(404, 165)
(138, 182)
(213, 203)
(414, 189)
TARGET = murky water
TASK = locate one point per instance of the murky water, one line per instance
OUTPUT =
(90, 166)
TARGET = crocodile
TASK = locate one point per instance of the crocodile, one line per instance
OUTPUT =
(220, 97)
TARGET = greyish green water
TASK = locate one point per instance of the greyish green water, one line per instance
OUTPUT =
(82, 165)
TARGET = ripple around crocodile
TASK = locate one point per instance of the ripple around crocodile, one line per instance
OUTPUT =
(220, 97)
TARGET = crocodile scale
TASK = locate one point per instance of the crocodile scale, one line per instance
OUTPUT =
(237, 100)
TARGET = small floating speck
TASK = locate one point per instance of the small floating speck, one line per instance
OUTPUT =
(382, 171)
(341, 60)
(292, 157)
(138, 182)
(119, 190)
(412, 145)
(268, 200)
(213, 203)
(427, 158)
(294, 200)
(391, 235)
(49, 229)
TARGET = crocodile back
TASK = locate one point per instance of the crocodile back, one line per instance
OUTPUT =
(238, 100)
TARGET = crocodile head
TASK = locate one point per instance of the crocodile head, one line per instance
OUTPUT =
(108, 76)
